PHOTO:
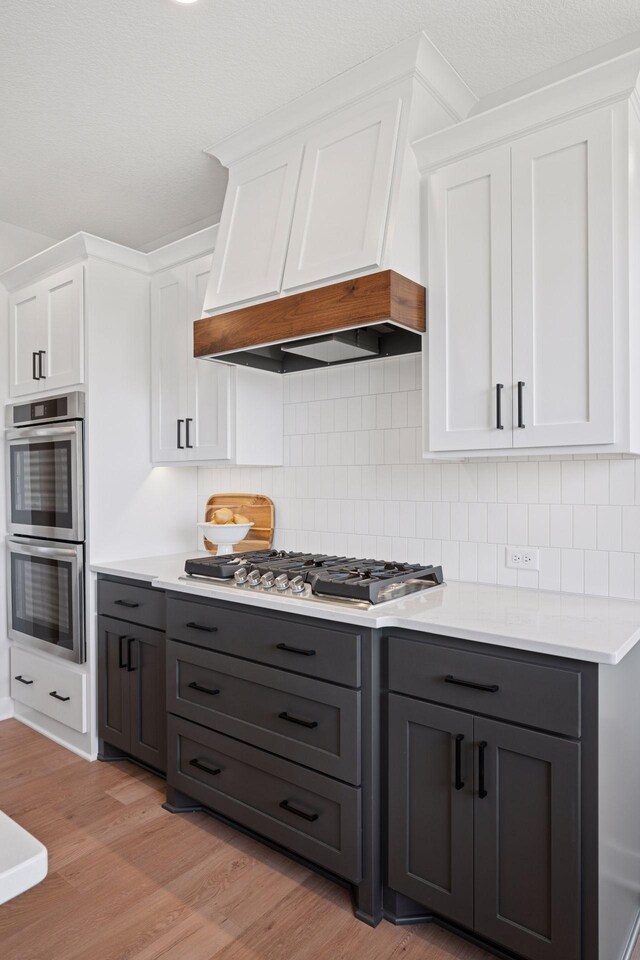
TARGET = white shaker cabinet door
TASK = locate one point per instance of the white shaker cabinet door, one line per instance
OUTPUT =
(469, 339)
(342, 204)
(249, 258)
(563, 322)
(208, 426)
(25, 340)
(169, 365)
(62, 304)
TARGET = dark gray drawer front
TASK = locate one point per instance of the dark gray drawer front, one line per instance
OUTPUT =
(530, 694)
(128, 601)
(308, 721)
(315, 817)
(328, 653)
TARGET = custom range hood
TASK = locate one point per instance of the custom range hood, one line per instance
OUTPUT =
(377, 315)
(318, 259)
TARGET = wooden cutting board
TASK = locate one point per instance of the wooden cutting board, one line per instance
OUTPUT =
(255, 507)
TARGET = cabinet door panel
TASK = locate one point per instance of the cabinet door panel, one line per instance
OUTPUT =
(63, 329)
(527, 842)
(169, 364)
(563, 321)
(469, 337)
(248, 261)
(25, 339)
(148, 698)
(113, 684)
(342, 203)
(209, 381)
(430, 821)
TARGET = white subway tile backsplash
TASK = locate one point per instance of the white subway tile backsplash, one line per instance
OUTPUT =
(354, 482)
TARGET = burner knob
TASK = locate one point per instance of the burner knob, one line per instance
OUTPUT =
(240, 575)
(297, 585)
(282, 582)
(254, 578)
(268, 579)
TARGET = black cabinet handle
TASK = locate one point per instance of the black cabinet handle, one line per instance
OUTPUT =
(130, 643)
(34, 362)
(310, 724)
(499, 389)
(21, 679)
(188, 423)
(196, 686)
(121, 660)
(459, 780)
(214, 771)
(487, 687)
(299, 813)
(300, 650)
(202, 627)
(179, 443)
(520, 414)
(41, 355)
(482, 793)
(130, 604)
(54, 693)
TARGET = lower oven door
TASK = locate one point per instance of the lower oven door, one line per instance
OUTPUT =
(46, 596)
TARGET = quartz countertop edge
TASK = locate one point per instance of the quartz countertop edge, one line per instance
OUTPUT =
(575, 626)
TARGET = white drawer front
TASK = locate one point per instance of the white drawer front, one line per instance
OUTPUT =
(35, 679)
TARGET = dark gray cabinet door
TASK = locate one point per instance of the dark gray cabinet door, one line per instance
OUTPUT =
(114, 724)
(527, 841)
(431, 806)
(148, 698)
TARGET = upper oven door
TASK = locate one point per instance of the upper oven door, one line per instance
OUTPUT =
(45, 481)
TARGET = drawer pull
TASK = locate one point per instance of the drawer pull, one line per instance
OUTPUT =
(196, 686)
(21, 679)
(487, 687)
(482, 792)
(202, 627)
(300, 650)
(131, 604)
(459, 780)
(299, 813)
(54, 693)
(310, 724)
(213, 771)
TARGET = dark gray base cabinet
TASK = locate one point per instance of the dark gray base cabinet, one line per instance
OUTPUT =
(131, 690)
(484, 826)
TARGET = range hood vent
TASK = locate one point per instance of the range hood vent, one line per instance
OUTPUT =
(379, 315)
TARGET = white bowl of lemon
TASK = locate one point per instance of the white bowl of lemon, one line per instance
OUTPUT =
(225, 529)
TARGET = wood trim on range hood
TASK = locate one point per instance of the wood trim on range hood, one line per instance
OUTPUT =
(383, 297)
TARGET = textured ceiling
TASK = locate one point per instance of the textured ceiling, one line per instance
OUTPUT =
(106, 105)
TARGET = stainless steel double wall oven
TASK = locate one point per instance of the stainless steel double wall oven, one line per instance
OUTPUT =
(46, 524)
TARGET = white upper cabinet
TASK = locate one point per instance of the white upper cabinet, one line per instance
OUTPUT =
(469, 363)
(46, 334)
(343, 198)
(563, 324)
(254, 229)
(169, 365)
(208, 382)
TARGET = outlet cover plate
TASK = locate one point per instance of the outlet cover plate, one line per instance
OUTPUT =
(522, 558)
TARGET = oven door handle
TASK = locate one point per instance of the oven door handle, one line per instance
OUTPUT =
(27, 433)
(16, 546)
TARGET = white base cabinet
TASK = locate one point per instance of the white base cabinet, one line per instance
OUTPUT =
(205, 410)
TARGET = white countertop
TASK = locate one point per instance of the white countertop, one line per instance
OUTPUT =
(597, 629)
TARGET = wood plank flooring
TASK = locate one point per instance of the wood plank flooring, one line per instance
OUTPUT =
(129, 881)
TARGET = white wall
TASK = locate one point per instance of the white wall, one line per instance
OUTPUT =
(15, 245)
(354, 482)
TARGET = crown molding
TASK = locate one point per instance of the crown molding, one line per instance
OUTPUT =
(78, 247)
(414, 59)
(197, 244)
(599, 86)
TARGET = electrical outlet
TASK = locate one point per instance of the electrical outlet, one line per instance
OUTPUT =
(523, 558)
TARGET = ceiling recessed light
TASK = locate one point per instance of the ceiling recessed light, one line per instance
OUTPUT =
(185, 1)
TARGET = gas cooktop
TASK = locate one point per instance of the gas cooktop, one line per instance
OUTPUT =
(316, 576)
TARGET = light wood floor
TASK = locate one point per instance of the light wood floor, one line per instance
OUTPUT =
(129, 880)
